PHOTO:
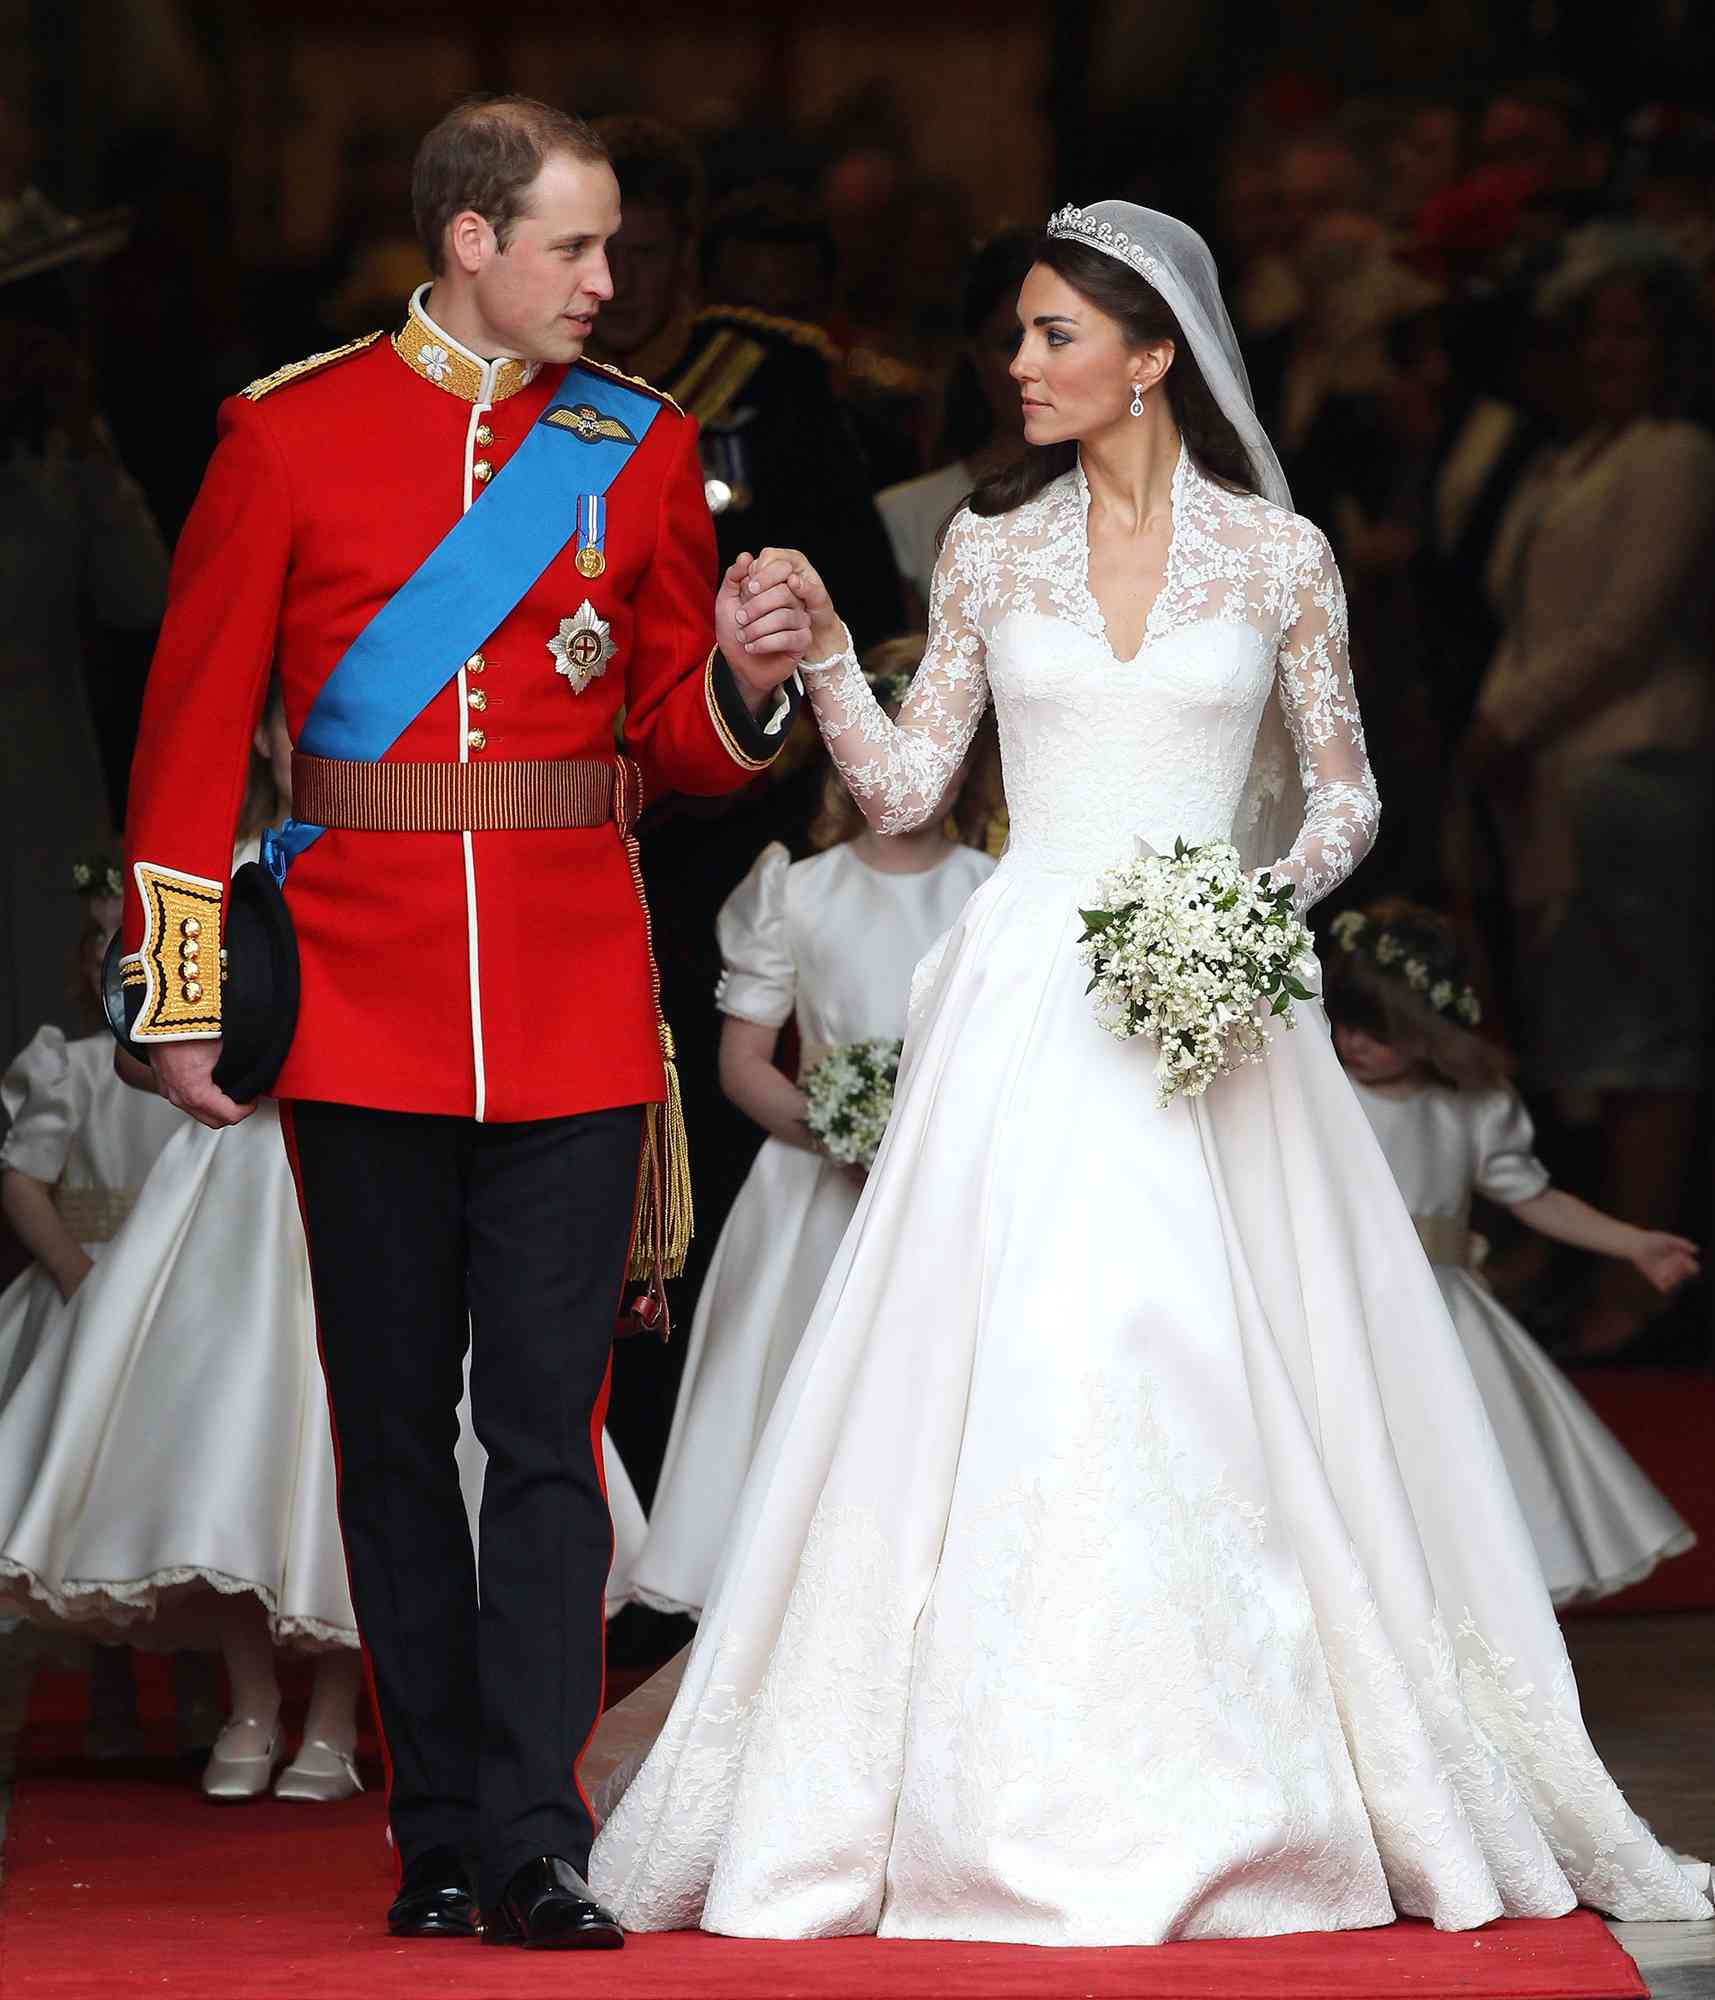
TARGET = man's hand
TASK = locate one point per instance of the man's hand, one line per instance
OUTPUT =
(185, 1073)
(762, 628)
(827, 631)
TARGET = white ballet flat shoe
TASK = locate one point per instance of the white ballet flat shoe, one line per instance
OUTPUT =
(320, 1774)
(233, 1771)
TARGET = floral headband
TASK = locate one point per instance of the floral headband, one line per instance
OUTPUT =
(96, 875)
(1418, 956)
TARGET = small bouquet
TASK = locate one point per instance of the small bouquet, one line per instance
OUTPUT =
(1193, 951)
(850, 1094)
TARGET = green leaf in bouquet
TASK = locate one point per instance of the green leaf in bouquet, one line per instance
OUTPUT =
(1297, 988)
(1282, 1004)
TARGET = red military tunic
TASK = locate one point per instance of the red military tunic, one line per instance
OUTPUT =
(496, 975)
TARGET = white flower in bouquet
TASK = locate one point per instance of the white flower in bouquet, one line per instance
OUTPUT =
(1192, 951)
(850, 1098)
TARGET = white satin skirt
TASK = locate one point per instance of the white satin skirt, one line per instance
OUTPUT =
(1598, 1522)
(1129, 1555)
(783, 1232)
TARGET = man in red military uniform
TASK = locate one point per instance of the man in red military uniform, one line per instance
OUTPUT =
(478, 1056)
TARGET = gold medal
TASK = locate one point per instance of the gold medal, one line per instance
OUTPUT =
(590, 560)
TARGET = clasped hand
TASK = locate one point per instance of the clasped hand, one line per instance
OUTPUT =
(777, 592)
(761, 624)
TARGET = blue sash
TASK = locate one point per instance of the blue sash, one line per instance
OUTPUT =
(471, 582)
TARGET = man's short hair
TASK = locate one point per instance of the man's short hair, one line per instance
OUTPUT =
(653, 162)
(484, 155)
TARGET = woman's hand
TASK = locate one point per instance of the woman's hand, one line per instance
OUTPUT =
(761, 627)
(1666, 1261)
(827, 631)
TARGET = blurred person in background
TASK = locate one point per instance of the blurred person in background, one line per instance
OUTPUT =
(1670, 182)
(1424, 155)
(980, 426)
(1591, 729)
(80, 559)
(1554, 130)
(782, 459)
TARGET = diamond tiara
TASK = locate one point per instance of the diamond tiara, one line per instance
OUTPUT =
(1079, 224)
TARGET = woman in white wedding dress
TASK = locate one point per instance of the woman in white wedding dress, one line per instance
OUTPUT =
(1129, 1556)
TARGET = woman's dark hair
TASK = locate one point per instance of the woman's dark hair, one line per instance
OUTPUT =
(1117, 290)
(1377, 1000)
(995, 274)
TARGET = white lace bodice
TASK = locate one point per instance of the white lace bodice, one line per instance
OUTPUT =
(1098, 750)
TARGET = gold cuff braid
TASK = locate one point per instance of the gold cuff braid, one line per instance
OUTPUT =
(180, 956)
(734, 749)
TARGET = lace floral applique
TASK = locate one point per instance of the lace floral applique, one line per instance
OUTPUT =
(1239, 570)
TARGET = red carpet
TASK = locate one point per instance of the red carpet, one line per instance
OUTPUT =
(123, 1880)
(1664, 1418)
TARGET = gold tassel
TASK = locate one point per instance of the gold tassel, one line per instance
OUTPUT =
(679, 1217)
(664, 1222)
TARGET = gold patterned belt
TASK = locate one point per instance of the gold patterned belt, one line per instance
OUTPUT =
(1444, 1240)
(93, 1215)
(461, 798)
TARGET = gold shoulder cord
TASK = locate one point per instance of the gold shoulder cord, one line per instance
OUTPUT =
(265, 385)
(636, 382)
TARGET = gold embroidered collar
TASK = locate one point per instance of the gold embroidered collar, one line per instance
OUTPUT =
(429, 351)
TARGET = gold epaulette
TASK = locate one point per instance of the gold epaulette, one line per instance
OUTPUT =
(799, 332)
(312, 364)
(632, 382)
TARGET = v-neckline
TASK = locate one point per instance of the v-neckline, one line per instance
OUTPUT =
(1176, 512)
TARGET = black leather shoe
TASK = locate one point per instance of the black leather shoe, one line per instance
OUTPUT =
(547, 1906)
(435, 1898)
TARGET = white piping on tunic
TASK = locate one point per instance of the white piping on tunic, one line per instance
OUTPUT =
(477, 412)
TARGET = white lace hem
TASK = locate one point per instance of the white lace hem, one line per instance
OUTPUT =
(82, 1602)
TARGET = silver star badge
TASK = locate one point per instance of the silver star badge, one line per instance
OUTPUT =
(582, 647)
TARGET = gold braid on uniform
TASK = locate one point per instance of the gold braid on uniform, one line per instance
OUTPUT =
(664, 1219)
(312, 364)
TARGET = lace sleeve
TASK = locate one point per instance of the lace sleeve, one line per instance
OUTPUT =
(899, 771)
(1341, 807)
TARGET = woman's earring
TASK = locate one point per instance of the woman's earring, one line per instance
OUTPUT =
(1137, 399)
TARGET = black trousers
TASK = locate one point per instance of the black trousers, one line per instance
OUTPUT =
(425, 1233)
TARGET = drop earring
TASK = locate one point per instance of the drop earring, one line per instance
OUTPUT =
(1137, 399)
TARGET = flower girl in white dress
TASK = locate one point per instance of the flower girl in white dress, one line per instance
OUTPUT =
(1128, 1556)
(166, 1462)
(829, 943)
(1437, 1099)
(78, 1146)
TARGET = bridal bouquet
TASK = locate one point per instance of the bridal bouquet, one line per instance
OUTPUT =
(850, 1094)
(1192, 951)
